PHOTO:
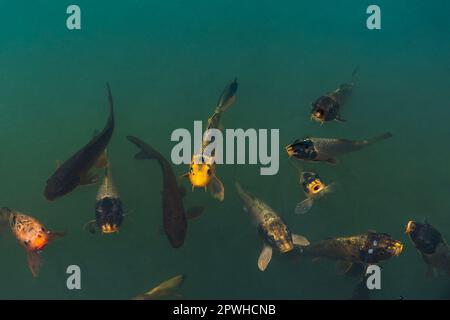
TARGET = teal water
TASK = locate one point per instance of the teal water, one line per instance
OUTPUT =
(167, 62)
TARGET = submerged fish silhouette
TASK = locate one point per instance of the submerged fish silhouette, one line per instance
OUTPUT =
(75, 171)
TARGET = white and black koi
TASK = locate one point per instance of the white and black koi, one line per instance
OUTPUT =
(109, 212)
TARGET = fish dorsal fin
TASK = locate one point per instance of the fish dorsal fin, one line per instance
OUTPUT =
(90, 227)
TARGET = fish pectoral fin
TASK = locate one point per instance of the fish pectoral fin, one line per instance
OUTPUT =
(52, 235)
(90, 227)
(34, 262)
(88, 179)
(216, 188)
(265, 257)
(339, 119)
(102, 160)
(304, 206)
(333, 161)
(300, 241)
(194, 212)
(342, 267)
(180, 178)
(330, 188)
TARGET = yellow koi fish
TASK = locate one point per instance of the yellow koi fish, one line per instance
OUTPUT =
(202, 170)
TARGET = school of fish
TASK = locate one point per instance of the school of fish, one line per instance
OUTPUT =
(352, 253)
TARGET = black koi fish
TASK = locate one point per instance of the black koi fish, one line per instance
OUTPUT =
(174, 215)
(75, 171)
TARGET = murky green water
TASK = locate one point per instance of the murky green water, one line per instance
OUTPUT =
(167, 62)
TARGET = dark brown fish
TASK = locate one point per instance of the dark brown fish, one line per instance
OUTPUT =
(431, 246)
(328, 107)
(368, 248)
(75, 171)
(174, 215)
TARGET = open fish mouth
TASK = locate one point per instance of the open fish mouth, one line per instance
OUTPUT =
(397, 248)
(109, 228)
(316, 186)
(285, 247)
(317, 116)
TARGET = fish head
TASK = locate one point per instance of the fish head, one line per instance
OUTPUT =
(379, 247)
(201, 171)
(424, 236)
(302, 149)
(314, 185)
(29, 232)
(278, 235)
(59, 185)
(109, 214)
(324, 109)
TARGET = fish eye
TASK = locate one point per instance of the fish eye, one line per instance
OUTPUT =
(26, 242)
(190, 169)
(208, 172)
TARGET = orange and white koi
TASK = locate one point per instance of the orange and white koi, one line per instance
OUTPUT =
(31, 234)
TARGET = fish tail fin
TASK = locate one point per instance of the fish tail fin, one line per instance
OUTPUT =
(166, 288)
(147, 152)
(381, 137)
(34, 262)
(111, 104)
(354, 75)
(232, 85)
